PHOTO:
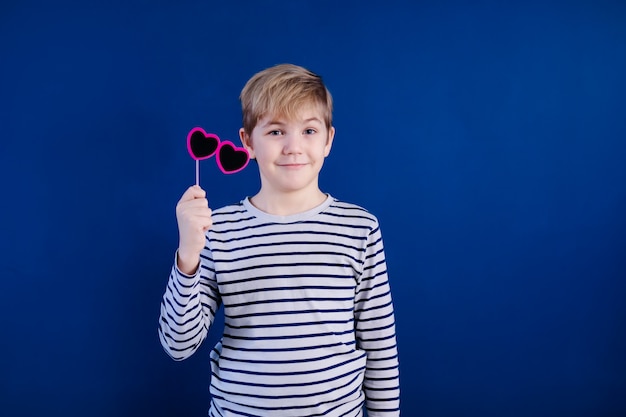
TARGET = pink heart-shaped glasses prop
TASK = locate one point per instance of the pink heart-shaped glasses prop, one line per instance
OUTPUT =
(202, 145)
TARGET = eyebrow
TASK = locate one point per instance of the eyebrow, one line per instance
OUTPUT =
(272, 122)
(281, 123)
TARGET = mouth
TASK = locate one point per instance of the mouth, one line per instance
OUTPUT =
(292, 165)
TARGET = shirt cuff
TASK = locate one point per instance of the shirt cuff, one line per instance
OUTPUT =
(182, 274)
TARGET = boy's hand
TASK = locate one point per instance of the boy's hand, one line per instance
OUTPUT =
(194, 219)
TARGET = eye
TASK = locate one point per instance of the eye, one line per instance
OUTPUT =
(274, 132)
(310, 131)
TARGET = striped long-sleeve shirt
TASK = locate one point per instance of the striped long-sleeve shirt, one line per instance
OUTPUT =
(309, 325)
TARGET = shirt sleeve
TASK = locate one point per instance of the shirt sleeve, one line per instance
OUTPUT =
(375, 331)
(188, 308)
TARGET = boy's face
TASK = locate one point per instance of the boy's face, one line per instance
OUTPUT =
(290, 152)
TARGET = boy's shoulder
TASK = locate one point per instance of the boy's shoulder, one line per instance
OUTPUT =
(346, 206)
(346, 209)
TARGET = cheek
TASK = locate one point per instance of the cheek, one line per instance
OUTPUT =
(262, 153)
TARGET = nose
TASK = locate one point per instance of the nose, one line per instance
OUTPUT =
(292, 144)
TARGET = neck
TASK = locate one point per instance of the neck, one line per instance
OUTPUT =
(286, 204)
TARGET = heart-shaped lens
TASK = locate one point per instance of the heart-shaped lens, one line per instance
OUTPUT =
(231, 158)
(202, 145)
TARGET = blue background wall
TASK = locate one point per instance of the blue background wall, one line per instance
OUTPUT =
(489, 139)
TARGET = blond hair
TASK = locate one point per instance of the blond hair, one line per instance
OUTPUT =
(282, 90)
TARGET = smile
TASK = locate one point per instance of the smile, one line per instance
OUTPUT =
(291, 165)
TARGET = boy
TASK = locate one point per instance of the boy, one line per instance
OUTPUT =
(309, 324)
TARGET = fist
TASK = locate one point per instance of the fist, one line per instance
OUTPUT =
(194, 219)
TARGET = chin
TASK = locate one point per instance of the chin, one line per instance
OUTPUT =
(295, 187)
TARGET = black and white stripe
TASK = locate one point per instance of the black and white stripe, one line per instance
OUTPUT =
(309, 325)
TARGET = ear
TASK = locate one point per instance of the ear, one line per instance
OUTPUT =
(247, 142)
(329, 141)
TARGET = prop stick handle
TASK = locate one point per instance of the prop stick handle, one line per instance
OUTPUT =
(197, 172)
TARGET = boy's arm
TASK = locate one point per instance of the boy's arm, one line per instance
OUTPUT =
(188, 308)
(191, 297)
(375, 332)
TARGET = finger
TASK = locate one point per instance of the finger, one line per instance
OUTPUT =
(195, 217)
(198, 227)
(205, 216)
(192, 213)
(197, 204)
(194, 235)
(192, 193)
